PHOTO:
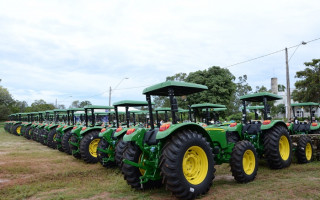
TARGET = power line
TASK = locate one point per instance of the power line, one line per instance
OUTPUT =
(249, 60)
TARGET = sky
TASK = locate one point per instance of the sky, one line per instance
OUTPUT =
(76, 50)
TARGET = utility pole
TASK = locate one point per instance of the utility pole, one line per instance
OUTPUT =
(56, 103)
(288, 86)
(110, 96)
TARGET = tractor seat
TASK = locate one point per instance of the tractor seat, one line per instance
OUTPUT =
(150, 137)
(252, 129)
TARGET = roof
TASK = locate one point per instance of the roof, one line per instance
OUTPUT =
(255, 107)
(305, 104)
(59, 110)
(131, 103)
(97, 107)
(163, 109)
(180, 88)
(182, 110)
(76, 109)
(258, 97)
(207, 105)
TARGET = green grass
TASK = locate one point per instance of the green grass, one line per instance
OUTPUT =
(31, 170)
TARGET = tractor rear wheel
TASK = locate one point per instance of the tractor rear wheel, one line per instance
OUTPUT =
(102, 155)
(243, 162)
(131, 173)
(121, 147)
(65, 142)
(304, 150)
(73, 148)
(88, 147)
(51, 138)
(16, 129)
(278, 147)
(28, 133)
(187, 165)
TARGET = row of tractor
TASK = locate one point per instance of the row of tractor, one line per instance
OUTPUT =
(172, 151)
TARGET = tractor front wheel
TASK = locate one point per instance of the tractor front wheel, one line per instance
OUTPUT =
(304, 150)
(131, 173)
(102, 155)
(278, 147)
(88, 147)
(28, 132)
(187, 165)
(243, 162)
(74, 149)
(51, 138)
(65, 142)
(121, 147)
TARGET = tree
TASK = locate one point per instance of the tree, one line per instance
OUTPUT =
(75, 104)
(281, 88)
(61, 106)
(219, 82)
(84, 103)
(19, 106)
(242, 88)
(5, 101)
(40, 105)
(307, 88)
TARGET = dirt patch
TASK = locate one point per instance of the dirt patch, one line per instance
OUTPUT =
(224, 178)
(4, 180)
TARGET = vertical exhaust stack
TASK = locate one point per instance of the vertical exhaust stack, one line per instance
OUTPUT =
(274, 85)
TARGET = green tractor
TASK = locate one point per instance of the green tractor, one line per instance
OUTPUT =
(85, 139)
(179, 154)
(42, 132)
(304, 134)
(270, 137)
(206, 108)
(64, 132)
(111, 145)
(16, 125)
(35, 126)
(51, 129)
(26, 126)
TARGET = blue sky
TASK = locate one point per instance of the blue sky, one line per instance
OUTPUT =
(75, 50)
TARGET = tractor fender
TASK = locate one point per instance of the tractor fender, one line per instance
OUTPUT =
(314, 127)
(66, 128)
(51, 127)
(123, 131)
(137, 135)
(183, 126)
(76, 131)
(272, 124)
(89, 129)
(107, 133)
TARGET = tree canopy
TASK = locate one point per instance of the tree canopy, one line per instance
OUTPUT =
(307, 88)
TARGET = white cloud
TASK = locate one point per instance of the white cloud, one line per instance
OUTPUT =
(81, 48)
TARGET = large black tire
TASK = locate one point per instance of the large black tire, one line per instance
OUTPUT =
(65, 142)
(101, 155)
(43, 136)
(16, 130)
(74, 148)
(121, 147)
(34, 134)
(244, 162)
(131, 173)
(278, 147)
(58, 141)
(304, 150)
(28, 133)
(50, 139)
(88, 147)
(23, 130)
(187, 165)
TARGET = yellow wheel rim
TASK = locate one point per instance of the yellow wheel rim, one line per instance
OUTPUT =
(30, 132)
(308, 151)
(195, 165)
(284, 147)
(93, 147)
(142, 171)
(19, 130)
(248, 162)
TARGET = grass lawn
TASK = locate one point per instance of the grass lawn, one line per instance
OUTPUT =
(29, 170)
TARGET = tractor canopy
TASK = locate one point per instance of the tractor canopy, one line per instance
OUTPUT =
(131, 103)
(258, 97)
(76, 109)
(97, 107)
(255, 107)
(304, 104)
(180, 88)
(207, 105)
